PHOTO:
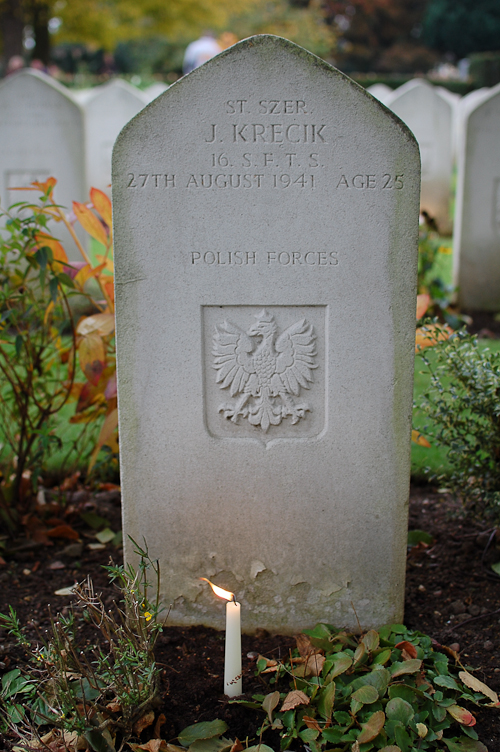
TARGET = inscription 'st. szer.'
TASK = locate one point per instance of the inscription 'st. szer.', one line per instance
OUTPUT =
(276, 368)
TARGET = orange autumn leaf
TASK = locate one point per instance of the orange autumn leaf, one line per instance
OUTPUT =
(417, 438)
(63, 531)
(408, 648)
(423, 303)
(85, 273)
(109, 288)
(143, 722)
(36, 185)
(92, 355)
(58, 252)
(90, 223)
(461, 715)
(102, 204)
(108, 428)
(311, 723)
(430, 335)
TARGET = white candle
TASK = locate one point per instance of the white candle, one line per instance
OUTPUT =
(232, 666)
(232, 663)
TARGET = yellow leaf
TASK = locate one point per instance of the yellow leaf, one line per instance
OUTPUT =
(91, 354)
(85, 273)
(102, 323)
(58, 252)
(293, 699)
(423, 303)
(90, 223)
(108, 263)
(107, 430)
(478, 686)
(430, 335)
(102, 204)
(417, 438)
(47, 186)
(48, 311)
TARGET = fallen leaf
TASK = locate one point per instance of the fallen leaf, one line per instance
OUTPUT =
(423, 303)
(371, 640)
(422, 730)
(237, 746)
(159, 723)
(63, 531)
(417, 438)
(311, 722)
(372, 727)
(115, 707)
(304, 645)
(478, 686)
(430, 335)
(65, 590)
(143, 722)
(57, 565)
(461, 715)
(154, 745)
(269, 703)
(293, 699)
(408, 648)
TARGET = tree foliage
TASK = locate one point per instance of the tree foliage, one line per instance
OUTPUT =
(462, 26)
(380, 35)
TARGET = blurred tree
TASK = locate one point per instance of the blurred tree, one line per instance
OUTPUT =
(12, 25)
(462, 26)
(380, 35)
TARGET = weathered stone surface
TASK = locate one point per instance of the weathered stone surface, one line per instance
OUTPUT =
(476, 253)
(107, 109)
(429, 116)
(266, 222)
(41, 134)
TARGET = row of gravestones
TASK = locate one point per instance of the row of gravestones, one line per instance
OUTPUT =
(463, 131)
(45, 130)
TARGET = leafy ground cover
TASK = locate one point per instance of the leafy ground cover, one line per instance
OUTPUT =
(452, 595)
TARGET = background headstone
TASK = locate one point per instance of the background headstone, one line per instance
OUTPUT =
(267, 193)
(107, 110)
(476, 241)
(429, 117)
(155, 90)
(41, 135)
(382, 92)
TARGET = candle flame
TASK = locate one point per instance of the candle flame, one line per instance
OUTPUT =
(219, 591)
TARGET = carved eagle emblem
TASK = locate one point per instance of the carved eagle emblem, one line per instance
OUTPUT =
(264, 370)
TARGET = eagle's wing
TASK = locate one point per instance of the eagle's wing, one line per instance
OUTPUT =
(296, 351)
(232, 349)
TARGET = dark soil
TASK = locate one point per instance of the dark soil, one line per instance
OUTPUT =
(451, 594)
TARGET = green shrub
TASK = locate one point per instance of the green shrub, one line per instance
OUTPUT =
(463, 404)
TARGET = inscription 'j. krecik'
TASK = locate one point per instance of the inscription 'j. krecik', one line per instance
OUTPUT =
(264, 371)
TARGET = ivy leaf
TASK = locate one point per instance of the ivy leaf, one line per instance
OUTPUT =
(342, 662)
(371, 640)
(465, 745)
(446, 681)
(365, 695)
(326, 700)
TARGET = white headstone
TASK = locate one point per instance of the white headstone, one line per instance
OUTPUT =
(476, 252)
(41, 135)
(266, 220)
(107, 110)
(429, 116)
(155, 90)
(381, 92)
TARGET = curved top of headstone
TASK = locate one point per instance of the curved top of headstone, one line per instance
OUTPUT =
(26, 79)
(416, 84)
(268, 56)
(484, 96)
(119, 87)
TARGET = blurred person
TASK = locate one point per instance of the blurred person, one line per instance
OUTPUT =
(200, 51)
(16, 62)
(37, 64)
(227, 39)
